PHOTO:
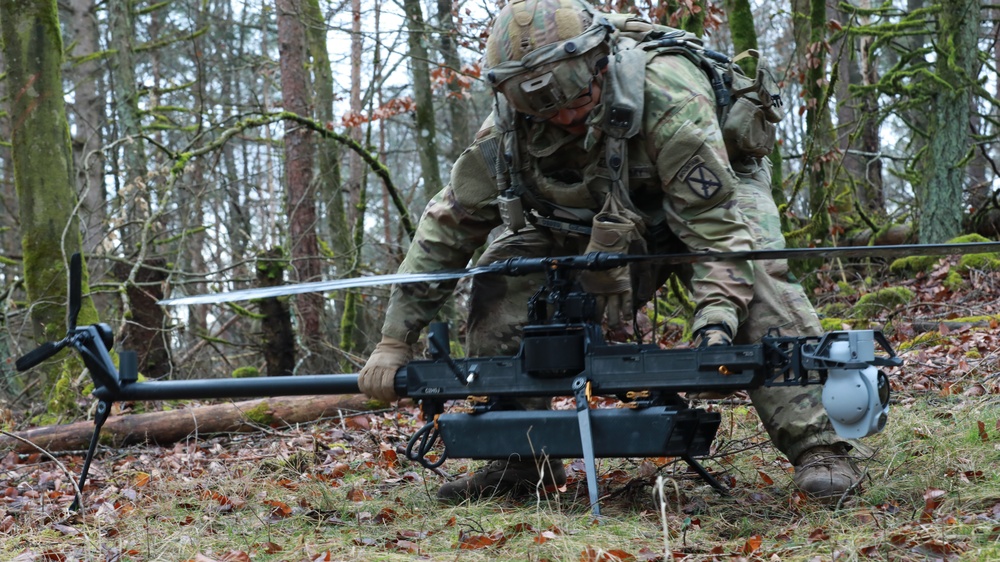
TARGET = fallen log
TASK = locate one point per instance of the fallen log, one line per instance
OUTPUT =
(174, 425)
(894, 235)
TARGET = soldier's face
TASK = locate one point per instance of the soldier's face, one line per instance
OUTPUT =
(573, 118)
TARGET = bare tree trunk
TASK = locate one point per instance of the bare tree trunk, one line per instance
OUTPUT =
(845, 56)
(238, 222)
(423, 96)
(871, 195)
(10, 385)
(328, 153)
(458, 107)
(234, 169)
(801, 31)
(304, 249)
(917, 117)
(88, 107)
(355, 214)
(276, 326)
(426, 135)
(192, 205)
(190, 195)
(818, 126)
(43, 171)
(857, 127)
(10, 241)
(144, 329)
(134, 194)
(979, 188)
(355, 165)
(986, 217)
(941, 196)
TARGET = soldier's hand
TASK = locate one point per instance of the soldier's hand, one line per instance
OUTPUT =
(712, 335)
(378, 376)
(613, 289)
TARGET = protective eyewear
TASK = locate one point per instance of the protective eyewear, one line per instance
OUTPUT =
(553, 77)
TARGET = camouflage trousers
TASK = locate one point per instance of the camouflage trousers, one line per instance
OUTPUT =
(793, 416)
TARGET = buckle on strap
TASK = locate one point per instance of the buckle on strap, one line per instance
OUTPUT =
(559, 226)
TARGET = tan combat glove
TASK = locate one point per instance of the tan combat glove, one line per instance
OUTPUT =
(712, 335)
(379, 373)
(613, 287)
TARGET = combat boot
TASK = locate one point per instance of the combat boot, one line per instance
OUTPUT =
(503, 477)
(827, 472)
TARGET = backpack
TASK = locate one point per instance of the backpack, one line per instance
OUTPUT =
(747, 107)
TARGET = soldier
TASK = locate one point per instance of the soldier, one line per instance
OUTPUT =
(577, 158)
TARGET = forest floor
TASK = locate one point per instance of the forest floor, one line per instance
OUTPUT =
(340, 489)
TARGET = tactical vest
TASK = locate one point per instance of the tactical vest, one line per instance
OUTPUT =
(746, 109)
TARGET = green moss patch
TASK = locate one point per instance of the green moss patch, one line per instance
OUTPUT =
(833, 324)
(883, 300)
(246, 372)
(259, 414)
(912, 264)
(924, 339)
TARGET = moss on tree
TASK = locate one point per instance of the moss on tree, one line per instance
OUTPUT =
(44, 179)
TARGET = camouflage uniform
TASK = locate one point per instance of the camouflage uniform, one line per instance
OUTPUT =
(678, 173)
(794, 416)
(679, 176)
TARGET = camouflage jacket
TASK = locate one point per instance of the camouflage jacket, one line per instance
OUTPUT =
(678, 173)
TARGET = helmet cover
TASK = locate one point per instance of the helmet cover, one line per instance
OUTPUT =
(543, 54)
(525, 25)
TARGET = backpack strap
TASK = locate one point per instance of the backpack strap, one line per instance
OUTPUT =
(622, 118)
(513, 193)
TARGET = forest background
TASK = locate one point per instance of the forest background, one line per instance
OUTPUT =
(195, 146)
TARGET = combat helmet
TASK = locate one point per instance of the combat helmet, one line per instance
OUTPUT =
(543, 54)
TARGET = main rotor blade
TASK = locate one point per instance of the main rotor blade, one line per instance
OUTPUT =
(599, 260)
(902, 250)
(318, 287)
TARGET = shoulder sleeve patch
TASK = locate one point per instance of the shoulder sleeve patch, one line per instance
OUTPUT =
(699, 178)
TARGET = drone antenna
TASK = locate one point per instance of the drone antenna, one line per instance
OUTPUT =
(75, 290)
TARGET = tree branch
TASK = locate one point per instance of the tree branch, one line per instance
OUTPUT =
(373, 162)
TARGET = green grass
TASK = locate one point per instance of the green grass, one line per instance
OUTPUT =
(318, 490)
